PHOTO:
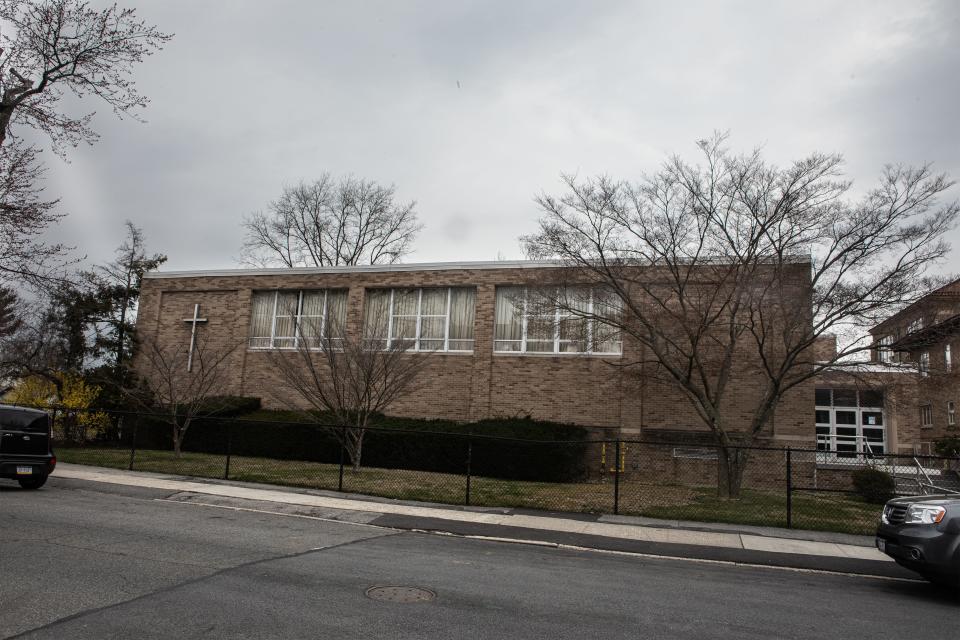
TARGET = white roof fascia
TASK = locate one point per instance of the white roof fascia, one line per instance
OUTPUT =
(375, 268)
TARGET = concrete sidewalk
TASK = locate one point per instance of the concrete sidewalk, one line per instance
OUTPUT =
(754, 545)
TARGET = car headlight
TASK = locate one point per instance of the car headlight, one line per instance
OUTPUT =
(924, 514)
(884, 515)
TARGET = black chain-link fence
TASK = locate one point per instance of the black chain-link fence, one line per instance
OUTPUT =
(800, 488)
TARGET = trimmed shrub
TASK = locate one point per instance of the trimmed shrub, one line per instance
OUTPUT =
(512, 449)
(949, 446)
(873, 485)
(229, 406)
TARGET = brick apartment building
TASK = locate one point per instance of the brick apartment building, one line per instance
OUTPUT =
(486, 361)
(921, 342)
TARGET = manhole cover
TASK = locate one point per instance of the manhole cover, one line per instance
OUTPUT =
(400, 594)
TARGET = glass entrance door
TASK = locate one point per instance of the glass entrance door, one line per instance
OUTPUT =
(850, 422)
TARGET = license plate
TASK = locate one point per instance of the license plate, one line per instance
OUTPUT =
(882, 544)
(24, 471)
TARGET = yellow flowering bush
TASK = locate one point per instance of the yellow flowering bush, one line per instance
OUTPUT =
(75, 420)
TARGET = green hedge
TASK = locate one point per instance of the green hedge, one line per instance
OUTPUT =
(514, 448)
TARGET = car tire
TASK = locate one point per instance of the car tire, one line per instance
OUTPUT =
(32, 483)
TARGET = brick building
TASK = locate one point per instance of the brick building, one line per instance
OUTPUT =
(921, 341)
(487, 359)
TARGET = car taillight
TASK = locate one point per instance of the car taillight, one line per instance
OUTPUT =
(53, 462)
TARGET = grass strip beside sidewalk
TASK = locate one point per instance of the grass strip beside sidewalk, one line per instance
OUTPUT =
(823, 512)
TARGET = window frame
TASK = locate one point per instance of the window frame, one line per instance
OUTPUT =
(558, 316)
(835, 445)
(273, 337)
(947, 358)
(389, 340)
(951, 413)
(884, 353)
(923, 365)
(926, 416)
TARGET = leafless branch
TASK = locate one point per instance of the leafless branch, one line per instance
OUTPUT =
(348, 378)
(735, 267)
(329, 223)
(53, 46)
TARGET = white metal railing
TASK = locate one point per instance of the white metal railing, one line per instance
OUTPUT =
(926, 486)
(911, 476)
(828, 448)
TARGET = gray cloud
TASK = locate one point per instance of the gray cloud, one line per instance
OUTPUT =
(251, 95)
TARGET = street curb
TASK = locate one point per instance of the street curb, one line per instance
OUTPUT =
(831, 564)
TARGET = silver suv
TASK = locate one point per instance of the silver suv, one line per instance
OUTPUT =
(922, 533)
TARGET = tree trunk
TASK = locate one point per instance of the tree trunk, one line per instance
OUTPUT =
(357, 453)
(179, 433)
(731, 463)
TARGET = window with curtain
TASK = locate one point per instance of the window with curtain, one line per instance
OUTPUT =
(427, 319)
(884, 353)
(290, 319)
(570, 320)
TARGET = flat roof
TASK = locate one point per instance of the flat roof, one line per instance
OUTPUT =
(366, 268)
(384, 268)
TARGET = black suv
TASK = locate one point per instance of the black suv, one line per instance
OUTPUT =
(922, 533)
(26, 454)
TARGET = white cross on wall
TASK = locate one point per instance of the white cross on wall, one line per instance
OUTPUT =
(193, 333)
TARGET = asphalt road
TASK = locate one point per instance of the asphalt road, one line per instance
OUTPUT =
(84, 560)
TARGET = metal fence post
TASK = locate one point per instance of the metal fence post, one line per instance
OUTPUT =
(226, 468)
(133, 443)
(616, 480)
(789, 488)
(343, 434)
(469, 462)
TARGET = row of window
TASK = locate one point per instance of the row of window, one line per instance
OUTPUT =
(571, 320)
(885, 354)
(924, 365)
(926, 415)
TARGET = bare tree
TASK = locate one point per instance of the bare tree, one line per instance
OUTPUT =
(41, 345)
(331, 222)
(46, 48)
(182, 396)
(24, 217)
(50, 46)
(347, 379)
(728, 272)
(10, 320)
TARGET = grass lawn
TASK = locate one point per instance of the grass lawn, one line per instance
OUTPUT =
(825, 512)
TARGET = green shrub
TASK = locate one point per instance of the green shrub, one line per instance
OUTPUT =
(949, 446)
(229, 406)
(511, 448)
(873, 485)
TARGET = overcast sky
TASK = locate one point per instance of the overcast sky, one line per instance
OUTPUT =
(250, 96)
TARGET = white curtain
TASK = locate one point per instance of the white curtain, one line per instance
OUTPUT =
(311, 317)
(508, 330)
(376, 314)
(283, 332)
(606, 336)
(261, 318)
(336, 314)
(462, 314)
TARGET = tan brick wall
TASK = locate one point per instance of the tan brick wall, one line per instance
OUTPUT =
(588, 390)
(942, 385)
